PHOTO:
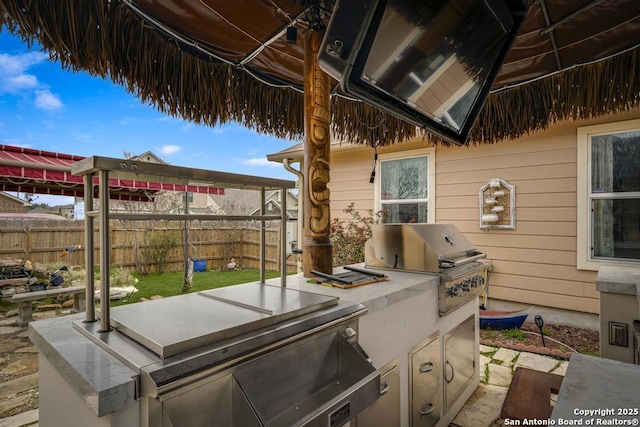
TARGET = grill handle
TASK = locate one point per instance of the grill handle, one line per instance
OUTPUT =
(446, 263)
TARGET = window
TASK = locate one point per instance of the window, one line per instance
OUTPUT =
(404, 186)
(611, 193)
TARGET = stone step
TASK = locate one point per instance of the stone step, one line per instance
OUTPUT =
(12, 403)
(29, 418)
(18, 385)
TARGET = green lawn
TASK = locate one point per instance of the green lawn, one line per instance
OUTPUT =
(170, 284)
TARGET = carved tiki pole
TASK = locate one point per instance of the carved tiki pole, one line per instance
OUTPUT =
(316, 253)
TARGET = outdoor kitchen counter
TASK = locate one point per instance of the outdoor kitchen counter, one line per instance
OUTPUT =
(108, 386)
(375, 296)
(402, 312)
(82, 371)
(597, 391)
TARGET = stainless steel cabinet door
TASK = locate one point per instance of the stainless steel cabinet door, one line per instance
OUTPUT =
(424, 383)
(459, 359)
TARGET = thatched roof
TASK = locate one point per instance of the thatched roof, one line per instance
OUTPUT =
(214, 61)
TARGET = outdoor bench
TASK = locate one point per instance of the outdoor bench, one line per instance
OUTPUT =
(25, 312)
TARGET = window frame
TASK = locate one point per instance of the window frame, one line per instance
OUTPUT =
(429, 153)
(585, 261)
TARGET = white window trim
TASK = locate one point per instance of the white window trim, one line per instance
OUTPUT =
(431, 159)
(584, 178)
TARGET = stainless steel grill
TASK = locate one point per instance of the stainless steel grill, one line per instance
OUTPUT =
(432, 249)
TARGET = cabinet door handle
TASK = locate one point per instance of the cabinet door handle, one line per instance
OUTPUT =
(384, 389)
(427, 408)
(427, 367)
(453, 373)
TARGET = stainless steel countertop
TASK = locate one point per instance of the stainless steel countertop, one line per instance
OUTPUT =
(171, 326)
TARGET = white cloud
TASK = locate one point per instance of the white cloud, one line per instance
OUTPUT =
(22, 81)
(15, 79)
(170, 149)
(13, 75)
(45, 100)
(262, 161)
(16, 64)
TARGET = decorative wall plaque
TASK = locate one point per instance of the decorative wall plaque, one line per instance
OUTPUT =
(497, 203)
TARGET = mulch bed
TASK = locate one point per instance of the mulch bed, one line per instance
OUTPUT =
(559, 340)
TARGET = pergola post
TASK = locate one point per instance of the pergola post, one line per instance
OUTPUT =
(316, 253)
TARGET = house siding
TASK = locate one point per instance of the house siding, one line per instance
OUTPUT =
(350, 172)
(533, 264)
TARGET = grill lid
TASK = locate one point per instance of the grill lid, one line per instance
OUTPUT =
(419, 247)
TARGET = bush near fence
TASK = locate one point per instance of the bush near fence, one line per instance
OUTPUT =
(62, 242)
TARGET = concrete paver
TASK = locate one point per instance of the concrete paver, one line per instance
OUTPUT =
(562, 368)
(535, 361)
(487, 349)
(499, 375)
(506, 355)
(482, 408)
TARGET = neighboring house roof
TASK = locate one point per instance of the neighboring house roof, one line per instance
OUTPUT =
(272, 199)
(150, 157)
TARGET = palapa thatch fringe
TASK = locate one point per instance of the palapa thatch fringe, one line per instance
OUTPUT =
(106, 39)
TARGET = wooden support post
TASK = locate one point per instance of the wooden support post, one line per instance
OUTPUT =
(317, 253)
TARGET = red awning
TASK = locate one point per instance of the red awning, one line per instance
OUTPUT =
(44, 172)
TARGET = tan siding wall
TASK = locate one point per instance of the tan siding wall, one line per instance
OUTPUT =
(350, 173)
(536, 262)
(533, 264)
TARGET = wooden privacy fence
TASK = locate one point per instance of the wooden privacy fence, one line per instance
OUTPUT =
(53, 241)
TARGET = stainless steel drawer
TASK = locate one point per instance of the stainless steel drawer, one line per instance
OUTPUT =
(424, 383)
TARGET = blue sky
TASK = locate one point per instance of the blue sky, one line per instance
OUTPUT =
(45, 107)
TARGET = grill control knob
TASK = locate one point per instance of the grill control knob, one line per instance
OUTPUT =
(454, 291)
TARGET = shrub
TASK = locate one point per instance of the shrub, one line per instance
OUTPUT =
(349, 236)
(159, 246)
